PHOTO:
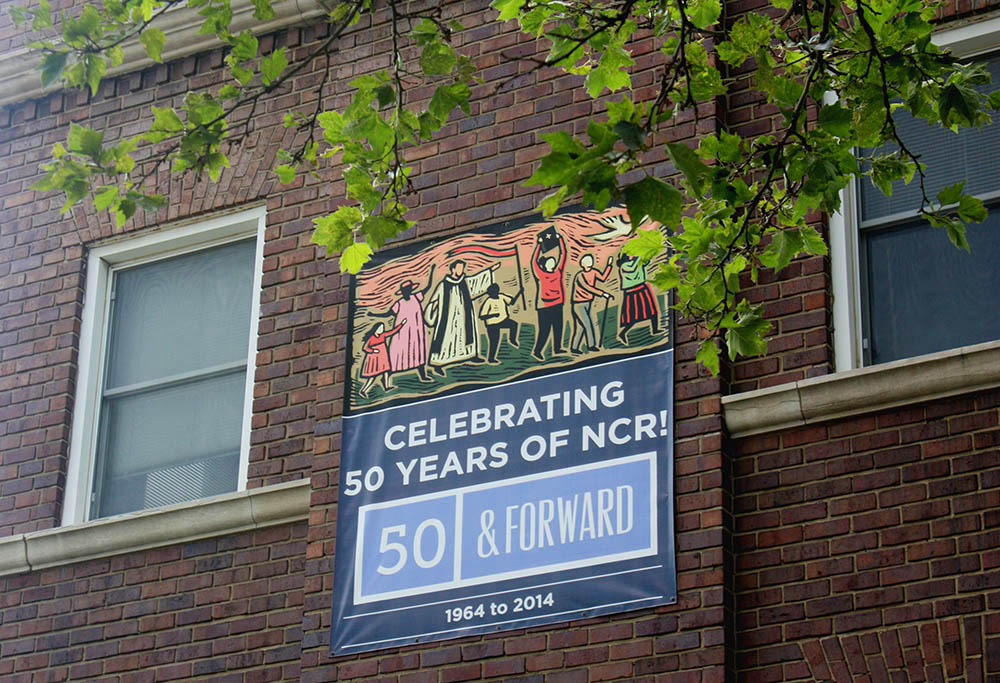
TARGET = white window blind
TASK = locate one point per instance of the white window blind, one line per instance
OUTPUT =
(172, 398)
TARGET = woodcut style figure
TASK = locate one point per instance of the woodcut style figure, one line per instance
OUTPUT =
(638, 302)
(450, 314)
(495, 312)
(584, 291)
(549, 272)
(377, 356)
(408, 350)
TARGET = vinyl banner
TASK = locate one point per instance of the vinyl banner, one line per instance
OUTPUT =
(493, 479)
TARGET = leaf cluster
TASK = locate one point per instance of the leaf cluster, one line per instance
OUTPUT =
(834, 71)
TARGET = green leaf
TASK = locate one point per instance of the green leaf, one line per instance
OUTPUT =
(242, 75)
(646, 244)
(446, 98)
(704, 13)
(146, 8)
(165, 124)
(77, 31)
(272, 66)
(286, 173)
(556, 168)
(654, 198)
(437, 59)
(245, 46)
(386, 95)
(85, 141)
(609, 72)
(551, 203)
(262, 10)
(378, 229)
(708, 355)
(746, 337)
(667, 277)
(951, 194)
(153, 39)
(836, 120)
(508, 8)
(94, 68)
(563, 142)
(813, 242)
(785, 245)
(786, 91)
(215, 162)
(994, 100)
(971, 209)
(688, 163)
(632, 135)
(731, 53)
(958, 104)
(52, 66)
(955, 229)
(335, 231)
(105, 197)
(724, 148)
(355, 256)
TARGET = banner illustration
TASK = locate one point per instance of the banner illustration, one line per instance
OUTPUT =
(507, 456)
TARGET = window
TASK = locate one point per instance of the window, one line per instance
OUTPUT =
(900, 288)
(166, 368)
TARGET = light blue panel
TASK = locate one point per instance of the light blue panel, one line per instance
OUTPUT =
(378, 549)
(581, 517)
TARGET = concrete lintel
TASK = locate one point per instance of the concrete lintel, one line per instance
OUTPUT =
(13, 555)
(172, 525)
(865, 390)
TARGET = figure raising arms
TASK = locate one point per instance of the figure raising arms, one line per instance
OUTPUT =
(549, 272)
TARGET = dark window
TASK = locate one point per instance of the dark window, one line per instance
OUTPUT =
(921, 294)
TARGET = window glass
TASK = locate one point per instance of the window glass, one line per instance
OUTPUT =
(969, 155)
(173, 395)
(924, 295)
(921, 294)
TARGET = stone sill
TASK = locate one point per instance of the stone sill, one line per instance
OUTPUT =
(21, 81)
(865, 390)
(172, 525)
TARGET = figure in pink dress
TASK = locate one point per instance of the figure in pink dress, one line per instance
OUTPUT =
(408, 350)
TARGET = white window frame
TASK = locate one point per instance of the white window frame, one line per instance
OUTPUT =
(978, 36)
(102, 262)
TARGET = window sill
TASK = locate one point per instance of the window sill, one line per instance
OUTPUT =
(172, 525)
(854, 392)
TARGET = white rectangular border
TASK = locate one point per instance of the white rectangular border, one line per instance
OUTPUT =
(101, 261)
(459, 493)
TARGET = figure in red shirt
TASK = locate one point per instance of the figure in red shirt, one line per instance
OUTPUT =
(549, 272)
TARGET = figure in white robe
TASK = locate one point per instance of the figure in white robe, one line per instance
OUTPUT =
(451, 315)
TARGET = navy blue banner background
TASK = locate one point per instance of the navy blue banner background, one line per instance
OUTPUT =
(537, 501)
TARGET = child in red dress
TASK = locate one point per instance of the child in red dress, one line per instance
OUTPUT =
(377, 356)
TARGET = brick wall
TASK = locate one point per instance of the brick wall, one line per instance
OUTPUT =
(226, 609)
(871, 546)
(796, 300)
(475, 175)
(858, 543)
(42, 272)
